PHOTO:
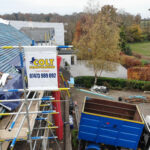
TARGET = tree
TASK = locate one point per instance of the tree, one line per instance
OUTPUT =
(123, 42)
(134, 33)
(138, 19)
(92, 7)
(98, 43)
(77, 32)
(127, 19)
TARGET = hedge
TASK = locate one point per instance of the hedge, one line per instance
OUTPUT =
(112, 83)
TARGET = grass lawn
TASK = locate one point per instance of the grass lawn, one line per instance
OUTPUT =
(141, 48)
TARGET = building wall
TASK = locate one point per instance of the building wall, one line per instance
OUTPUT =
(58, 27)
(67, 58)
(44, 44)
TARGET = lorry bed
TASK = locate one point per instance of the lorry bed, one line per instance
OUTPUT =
(110, 122)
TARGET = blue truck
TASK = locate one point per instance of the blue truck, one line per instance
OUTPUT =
(111, 123)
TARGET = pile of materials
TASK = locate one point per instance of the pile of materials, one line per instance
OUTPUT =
(10, 81)
(136, 99)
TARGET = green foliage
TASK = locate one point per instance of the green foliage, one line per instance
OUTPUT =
(134, 33)
(128, 50)
(146, 87)
(74, 138)
(145, 62)
(113, 83)
(145, 25)
(123, 42)
(148, 36)
(98, 42)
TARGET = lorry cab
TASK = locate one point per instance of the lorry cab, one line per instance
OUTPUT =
(93, 146)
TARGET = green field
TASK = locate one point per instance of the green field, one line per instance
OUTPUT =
(141, 48)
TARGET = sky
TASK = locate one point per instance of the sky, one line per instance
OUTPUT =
(63, 7)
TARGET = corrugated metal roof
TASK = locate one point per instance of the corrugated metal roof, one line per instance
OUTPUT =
(10, 36)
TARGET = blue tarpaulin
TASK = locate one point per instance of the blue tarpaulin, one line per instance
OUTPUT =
(14, 83)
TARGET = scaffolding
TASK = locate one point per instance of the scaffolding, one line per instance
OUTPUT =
(35, 107)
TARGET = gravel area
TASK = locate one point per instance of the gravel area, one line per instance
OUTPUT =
(79, 96)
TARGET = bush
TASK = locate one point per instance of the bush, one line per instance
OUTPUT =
(137, 55)
(75, 138)
(146, 87)
(130, 61)
(134, 33)
(145, 62)
(139, 73)
(113, 83)
(148, 36)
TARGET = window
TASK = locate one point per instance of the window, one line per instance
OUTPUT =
(72, 60)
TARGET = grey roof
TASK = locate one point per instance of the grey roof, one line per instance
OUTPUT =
(38, 34)
(66, 52)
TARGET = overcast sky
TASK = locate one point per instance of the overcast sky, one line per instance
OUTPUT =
(69, 6)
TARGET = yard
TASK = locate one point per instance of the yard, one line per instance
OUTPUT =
(141, 48)
(79, 97)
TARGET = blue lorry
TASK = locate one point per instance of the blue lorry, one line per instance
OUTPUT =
(112, 123)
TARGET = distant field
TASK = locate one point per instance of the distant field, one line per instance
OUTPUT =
(141, 48)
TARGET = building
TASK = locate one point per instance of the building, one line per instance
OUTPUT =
(42, 36)
(10, 36)
(9, 58)
(42, 32)
(46, 34)
(69, 58)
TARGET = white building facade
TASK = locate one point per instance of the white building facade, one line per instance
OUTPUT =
(58, 28)
(69, 58)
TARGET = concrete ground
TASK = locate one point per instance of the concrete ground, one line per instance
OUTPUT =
(81, 69)
(79, 96)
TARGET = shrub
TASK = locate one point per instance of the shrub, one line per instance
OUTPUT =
(148, 36)
(137, 55)
(130, 61)
(146, 87)
(113, 83)
(134, 33)
(145, 62)
(139, 73)
(75, 138)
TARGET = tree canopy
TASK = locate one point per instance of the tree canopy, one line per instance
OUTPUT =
(98, 42)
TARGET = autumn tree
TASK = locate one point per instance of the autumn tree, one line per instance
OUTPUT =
(127, 19)
(77, 32)
(99, 40)
(134, 33)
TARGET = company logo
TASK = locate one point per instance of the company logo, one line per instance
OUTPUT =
(41, 63)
